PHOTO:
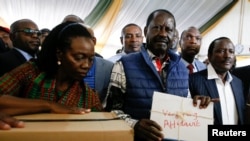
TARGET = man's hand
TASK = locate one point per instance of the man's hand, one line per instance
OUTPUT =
(7, 122)
(148, 130)
(205, 100)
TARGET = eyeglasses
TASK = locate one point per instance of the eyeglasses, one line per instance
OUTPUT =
(30, 32)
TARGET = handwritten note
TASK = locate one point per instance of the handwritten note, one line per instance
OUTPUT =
(179, 119)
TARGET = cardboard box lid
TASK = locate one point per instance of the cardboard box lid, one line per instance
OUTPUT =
(53, 127)
(92, 116)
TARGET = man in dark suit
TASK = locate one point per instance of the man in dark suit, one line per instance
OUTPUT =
(24, 35)
(190, 43)
(217, 82)
(244, 74)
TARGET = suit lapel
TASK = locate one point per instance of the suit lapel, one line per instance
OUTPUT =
(212, 90)
(20, 58)
(238, 99)
(98, 74)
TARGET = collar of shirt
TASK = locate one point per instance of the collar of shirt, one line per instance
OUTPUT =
(26, 55)
(116, 57)
(152, 56)
(186, 64)
(123, 52)
(213, 75)
(156, 63)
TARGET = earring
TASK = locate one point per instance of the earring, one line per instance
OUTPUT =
(58, 62)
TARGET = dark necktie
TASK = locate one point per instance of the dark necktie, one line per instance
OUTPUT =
(190, 68)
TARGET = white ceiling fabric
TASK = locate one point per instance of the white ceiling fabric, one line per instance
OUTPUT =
(46, 13)
(187, 13)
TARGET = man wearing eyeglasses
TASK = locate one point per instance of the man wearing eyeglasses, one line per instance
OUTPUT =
(24, 35)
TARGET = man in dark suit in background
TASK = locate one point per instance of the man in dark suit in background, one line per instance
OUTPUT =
(24, 35)
(244, 74)
(217, 82)
(190, 44)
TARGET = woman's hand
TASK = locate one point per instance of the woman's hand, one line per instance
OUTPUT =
(62, 109)
(7, 122)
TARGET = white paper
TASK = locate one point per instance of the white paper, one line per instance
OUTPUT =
(179, 119)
